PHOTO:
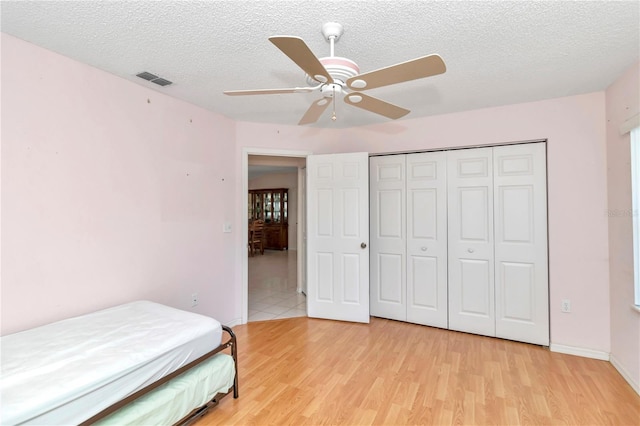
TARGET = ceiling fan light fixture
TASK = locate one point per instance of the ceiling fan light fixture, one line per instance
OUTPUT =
(355, 98)
(330, 90)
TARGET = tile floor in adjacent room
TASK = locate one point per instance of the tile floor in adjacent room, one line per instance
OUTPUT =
(272, 286)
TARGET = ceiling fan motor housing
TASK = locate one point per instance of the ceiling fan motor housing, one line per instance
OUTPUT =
(340, 69)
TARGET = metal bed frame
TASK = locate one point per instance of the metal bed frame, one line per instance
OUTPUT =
(230, 344)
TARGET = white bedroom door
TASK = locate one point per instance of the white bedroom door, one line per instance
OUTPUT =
(338, 237)
(471, 258)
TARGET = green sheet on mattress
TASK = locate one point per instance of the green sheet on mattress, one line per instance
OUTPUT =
(175, 399)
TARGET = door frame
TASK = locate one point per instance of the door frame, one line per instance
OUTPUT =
(302, 231)
(244, 225)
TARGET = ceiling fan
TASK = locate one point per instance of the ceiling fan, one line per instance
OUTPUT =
(334, 75)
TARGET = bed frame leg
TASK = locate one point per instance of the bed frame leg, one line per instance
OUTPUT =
(234, 354)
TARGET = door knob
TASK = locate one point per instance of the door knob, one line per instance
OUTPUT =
(363, 245)
(470, 250)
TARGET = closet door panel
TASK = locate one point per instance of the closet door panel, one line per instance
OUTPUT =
(470, 226)
(422, 291)
(475, 287)
(522, 297)
(388, 237)
(427, 239)
(390, 273)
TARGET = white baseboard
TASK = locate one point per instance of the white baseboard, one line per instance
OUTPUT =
(573, 350)
(625, 374)
(234, 322)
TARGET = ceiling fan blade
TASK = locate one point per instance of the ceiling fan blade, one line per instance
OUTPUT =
(426, 66)
(375, 105)
(298, 51)
(269, 91)
(315, 111)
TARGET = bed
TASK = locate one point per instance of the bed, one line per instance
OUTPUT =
(137, 363)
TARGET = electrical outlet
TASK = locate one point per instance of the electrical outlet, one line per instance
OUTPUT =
(194, 299)
(566, 305)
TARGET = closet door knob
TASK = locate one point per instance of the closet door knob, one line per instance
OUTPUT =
(470, 250)
(423, 248)
(363, 245)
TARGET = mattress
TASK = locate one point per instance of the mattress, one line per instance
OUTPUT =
(65, 372)
(175, 399)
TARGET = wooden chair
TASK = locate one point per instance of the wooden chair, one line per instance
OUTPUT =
(256, 237)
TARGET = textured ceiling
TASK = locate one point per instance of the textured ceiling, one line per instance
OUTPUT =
(496, 52)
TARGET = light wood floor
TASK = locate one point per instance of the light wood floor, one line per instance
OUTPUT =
(308, 371)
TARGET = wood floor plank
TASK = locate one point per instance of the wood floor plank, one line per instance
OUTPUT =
(303, 371)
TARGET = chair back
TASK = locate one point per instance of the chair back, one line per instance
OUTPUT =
(256, 237)
(257, 226)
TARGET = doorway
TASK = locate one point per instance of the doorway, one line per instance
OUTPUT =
(271, 282)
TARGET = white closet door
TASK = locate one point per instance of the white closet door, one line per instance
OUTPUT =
(471, 261)
(520, 206)
(388, 244)
(427, 239)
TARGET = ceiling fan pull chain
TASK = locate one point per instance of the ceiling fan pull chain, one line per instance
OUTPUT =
(333, 117)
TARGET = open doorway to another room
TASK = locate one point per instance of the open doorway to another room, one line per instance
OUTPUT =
(273, 210)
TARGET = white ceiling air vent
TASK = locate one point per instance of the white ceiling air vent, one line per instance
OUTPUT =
(154, 78)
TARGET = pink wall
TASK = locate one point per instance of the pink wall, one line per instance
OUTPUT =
(578, 242)
(283, 180)
(107, 198)
(110, 192)
(622, 100)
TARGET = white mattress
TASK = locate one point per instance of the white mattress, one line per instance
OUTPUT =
(65, 372)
